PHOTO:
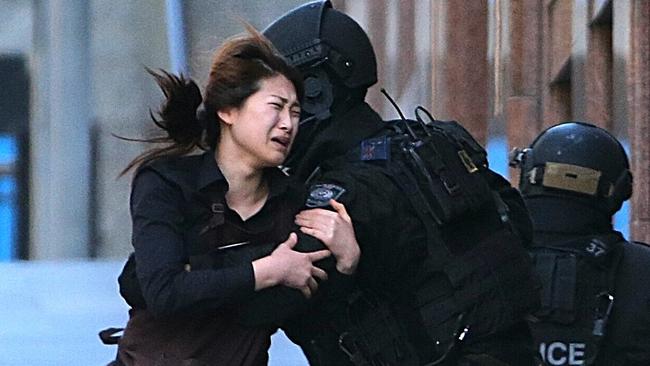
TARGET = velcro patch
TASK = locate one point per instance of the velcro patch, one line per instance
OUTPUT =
(321, 194)
(377, 148)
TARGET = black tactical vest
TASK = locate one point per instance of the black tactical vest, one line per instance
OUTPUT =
(578, 277)
(478, 278)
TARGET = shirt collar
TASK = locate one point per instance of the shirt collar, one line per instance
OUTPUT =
(209, 173)
(278, 182)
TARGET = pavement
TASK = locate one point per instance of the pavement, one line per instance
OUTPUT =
(50, 313)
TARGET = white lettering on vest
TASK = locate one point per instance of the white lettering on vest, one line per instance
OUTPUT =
(576, 353)
(560, 353)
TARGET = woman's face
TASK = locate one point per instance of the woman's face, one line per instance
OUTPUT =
(262, 130)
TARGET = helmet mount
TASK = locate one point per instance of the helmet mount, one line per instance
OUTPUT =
(310, 38)
(576, 160)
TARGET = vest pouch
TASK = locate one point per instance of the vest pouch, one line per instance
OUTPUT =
(446, 175)
(558, 272)
(484, 284)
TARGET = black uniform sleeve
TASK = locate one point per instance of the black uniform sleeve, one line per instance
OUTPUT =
(517, 211)
(272, 306)
(156, 211)
(628, 340)
(388, 230)
(385, 226)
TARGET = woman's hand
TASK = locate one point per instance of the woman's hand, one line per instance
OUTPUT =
(287, 267)
(335, 230)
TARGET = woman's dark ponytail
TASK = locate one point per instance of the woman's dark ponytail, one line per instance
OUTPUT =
(177, 117)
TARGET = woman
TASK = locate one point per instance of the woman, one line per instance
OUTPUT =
(202, 224)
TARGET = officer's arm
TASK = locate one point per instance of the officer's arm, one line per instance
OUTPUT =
(274, 305)
(517, 211)
(628, 331)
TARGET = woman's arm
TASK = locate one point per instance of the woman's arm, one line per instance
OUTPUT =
(290, 268)
(158, 227)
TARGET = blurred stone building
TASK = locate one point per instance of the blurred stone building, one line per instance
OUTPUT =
(72, 76)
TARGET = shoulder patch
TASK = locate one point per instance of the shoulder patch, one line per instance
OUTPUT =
(321, 194)
(377, 148)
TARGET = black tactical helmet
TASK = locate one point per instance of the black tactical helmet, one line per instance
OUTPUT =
(328, 47)
(576, 160)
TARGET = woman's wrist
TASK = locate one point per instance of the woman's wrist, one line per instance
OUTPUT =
(347, 264)
(265, 273)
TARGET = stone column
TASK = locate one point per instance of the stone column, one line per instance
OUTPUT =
(558, 35)
(639, 113)
(60, 138)
(126, 37)
(460, 63)
(599, 68)
(578, 60)
(523, 106)
(620, 64)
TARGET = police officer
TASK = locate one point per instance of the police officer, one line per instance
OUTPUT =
(451, 289)
(596, 300)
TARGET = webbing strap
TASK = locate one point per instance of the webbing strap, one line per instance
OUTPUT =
(199, 248)
(438, 252)
(438, 166)
(408, 184)
(602, 316)
(437, 312)
(545, 265)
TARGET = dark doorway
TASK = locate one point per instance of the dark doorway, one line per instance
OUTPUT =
(14, 132)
